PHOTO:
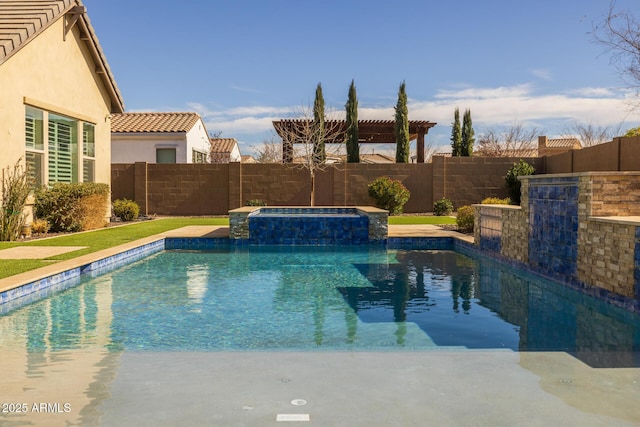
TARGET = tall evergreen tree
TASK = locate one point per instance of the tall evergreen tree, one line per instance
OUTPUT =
(319, 154)
(467, 134)
(456, 135)
(401, 126)
(353, 147)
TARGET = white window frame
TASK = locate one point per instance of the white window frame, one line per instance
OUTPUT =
(76, 152)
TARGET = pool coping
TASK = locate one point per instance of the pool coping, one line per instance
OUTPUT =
(46, 280)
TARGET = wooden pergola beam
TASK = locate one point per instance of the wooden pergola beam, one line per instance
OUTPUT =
(369, 131)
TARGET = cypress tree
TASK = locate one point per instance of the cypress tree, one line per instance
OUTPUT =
(467, 134)
(456, 135)
(319, 154)
(401, 127)
(353, 147)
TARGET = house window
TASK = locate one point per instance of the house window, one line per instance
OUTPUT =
(34, 144)
(52, 148)
(165, 155)
(88, 152)
(198, 157)
(63, 149)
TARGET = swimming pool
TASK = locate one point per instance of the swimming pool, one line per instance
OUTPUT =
(357, 298)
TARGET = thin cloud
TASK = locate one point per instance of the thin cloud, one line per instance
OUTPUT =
(245, 89)
(542, 73)
(499, 106)
(593, 92)
(485, 93)
(506, 104)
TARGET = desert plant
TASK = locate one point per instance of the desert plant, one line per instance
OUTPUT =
(464, 219)
(15, 190)
(389, 194)
(72, 207)
(256, 202)
(496, 201)
(40, 226)
(443, 207)
(126, 210)
(513, 184)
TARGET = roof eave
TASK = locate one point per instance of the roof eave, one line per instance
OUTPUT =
(102, 66)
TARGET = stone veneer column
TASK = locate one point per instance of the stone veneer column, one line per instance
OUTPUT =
(239, 222)
(378, 226)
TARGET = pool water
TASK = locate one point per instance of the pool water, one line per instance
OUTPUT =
(323, 298)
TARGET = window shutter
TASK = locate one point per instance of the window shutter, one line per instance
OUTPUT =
(60, 152)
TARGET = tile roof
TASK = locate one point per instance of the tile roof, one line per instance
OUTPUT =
(375, 158)
(222, 145)
(153, 122)
(563, 143)
(22, 20)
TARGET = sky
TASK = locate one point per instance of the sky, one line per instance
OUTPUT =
(242, 64)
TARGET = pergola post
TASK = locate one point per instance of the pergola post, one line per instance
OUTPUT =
(420, 146)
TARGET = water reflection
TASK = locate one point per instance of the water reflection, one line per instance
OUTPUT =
(55, 358)
(459, 301)
(331, 298)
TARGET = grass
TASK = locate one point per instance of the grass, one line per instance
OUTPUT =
(97, 240)
(434, 220)
(113, 236)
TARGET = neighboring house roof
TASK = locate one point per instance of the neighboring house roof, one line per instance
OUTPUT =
(247, 158)
(223, 145)
(563, 143)
(376, 158)
(512, 152)
(342, 158)
(23, 20)
(153, 122)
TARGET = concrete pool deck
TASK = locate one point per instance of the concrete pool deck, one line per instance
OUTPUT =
(417, 388)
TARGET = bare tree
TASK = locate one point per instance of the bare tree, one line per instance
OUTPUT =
(429, 151)
(212, 135)
(301, 133)
(270, 151)
(619, 32)
(514, 140)
(590, 135)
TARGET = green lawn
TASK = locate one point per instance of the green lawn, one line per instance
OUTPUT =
(114, 236)
(98, 240)
(434, 220)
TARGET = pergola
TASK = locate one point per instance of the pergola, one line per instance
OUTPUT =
(369, 131)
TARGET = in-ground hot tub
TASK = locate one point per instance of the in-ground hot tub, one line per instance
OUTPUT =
(308, 225)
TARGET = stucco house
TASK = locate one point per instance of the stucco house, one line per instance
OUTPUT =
(57, 93)
(159, 138)
(225, 150)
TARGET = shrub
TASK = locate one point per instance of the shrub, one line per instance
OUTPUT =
(39, 226)
(72, 207)
(496, 201)
(16, 188)
(443, 207)
(126, 210)
(464, 220)
(521, 168)
(389, 194)
(256, 202)
(633, 132)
